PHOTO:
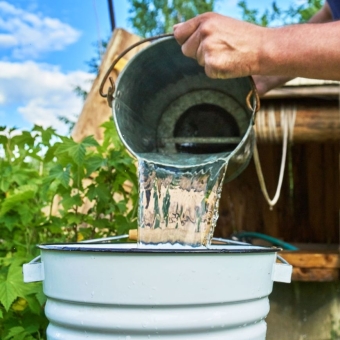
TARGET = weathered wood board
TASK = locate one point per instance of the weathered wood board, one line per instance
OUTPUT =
(316, 266)
(307, 211)
(316, 120)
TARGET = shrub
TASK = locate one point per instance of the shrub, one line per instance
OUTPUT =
(53, 189)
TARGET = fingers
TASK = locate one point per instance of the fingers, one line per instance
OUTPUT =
(191, 48)
(187, 34)
(184, 30)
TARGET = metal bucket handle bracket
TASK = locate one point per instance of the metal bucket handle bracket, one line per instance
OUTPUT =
(33, 271)
(253, 94)
(282, 272)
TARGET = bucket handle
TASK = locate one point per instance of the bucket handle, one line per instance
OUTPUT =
(255, 106)
(253, 93)
(111, 89)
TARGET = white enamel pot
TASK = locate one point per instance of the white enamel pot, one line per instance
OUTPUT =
(120, 291)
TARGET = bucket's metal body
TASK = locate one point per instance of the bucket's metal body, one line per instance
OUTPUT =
(155, 92)
(117, 291)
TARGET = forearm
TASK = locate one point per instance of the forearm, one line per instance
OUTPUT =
(266, 83)
(305, 50)
(229, 48)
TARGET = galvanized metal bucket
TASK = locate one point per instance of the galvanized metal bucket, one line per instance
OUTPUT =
(164, 104)
(119, 291)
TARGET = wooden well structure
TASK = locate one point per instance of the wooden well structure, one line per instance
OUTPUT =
(307, 213)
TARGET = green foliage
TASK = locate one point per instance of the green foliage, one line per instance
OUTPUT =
(277, 16)
(152, 17)
(53, 189)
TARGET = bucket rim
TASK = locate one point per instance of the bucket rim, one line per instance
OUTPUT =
(133, 248)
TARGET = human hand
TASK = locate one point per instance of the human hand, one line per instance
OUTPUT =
(225, 47)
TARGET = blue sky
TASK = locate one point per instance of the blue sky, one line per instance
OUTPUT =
(44, 46)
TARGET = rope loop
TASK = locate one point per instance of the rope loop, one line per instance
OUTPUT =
(287, 126)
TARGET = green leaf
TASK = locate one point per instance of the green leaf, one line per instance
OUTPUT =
(89, 141)
(122, 206)
(46, 134)
(15, 332)
(13, 286)
(10, 222)
(70, 202)
(123, 225)
(61, 174)
(40, 296)
(1, 314)
(93, 163)
(76, 150)
(14, 200)
(24, 138)
(66, 146)
(78, 153)
(50, 154)
(73, 218)
(100, 192)
(100, 223)
(34, 304)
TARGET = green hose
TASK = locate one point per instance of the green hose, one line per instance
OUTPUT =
(270, 239)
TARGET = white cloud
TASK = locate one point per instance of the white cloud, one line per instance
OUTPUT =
(30, 35)
(41, 92)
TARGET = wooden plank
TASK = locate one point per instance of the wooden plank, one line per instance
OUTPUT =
(331, 191)
(311, 259)
(316, 120)
(299, 227)
(303, 214)
(329, 91)
(316, 180)
(315, 274)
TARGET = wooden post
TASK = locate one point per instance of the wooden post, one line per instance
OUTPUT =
(315, 120)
